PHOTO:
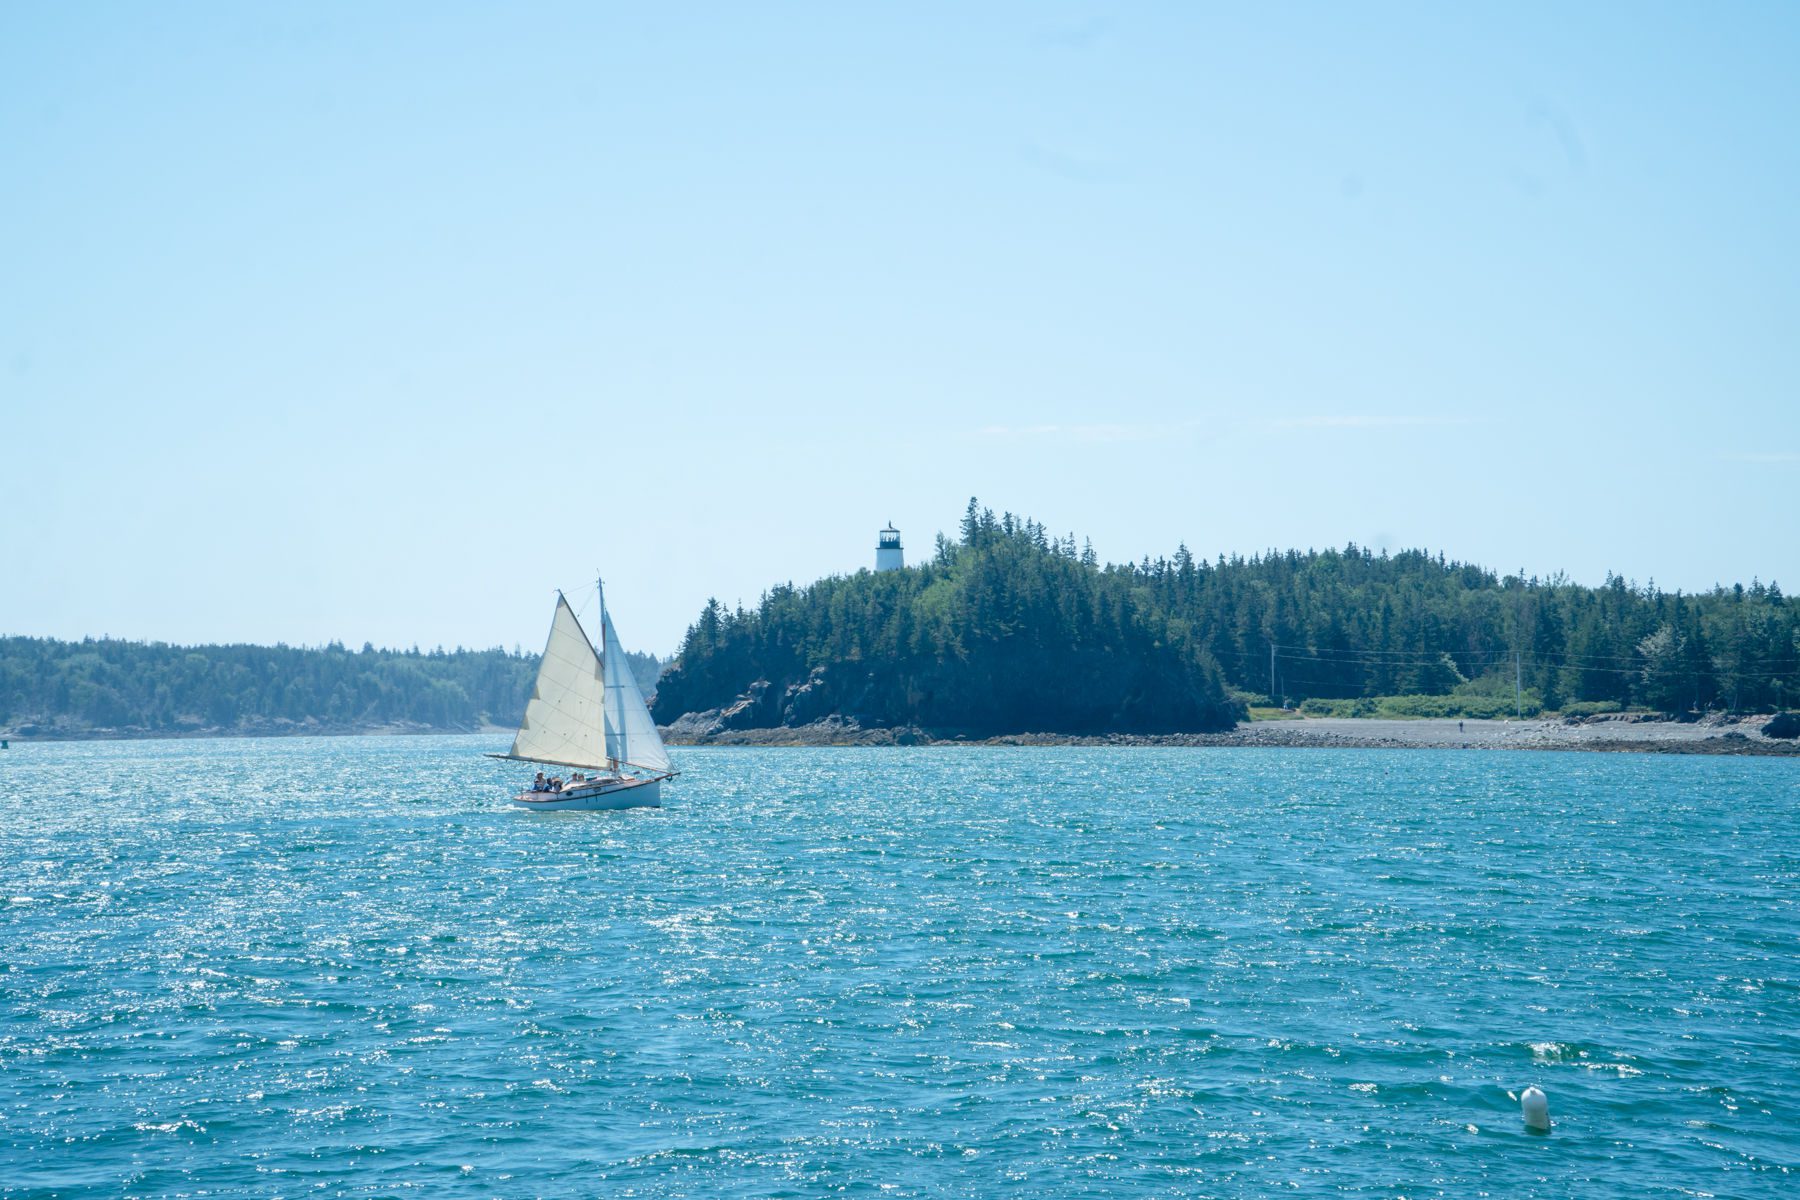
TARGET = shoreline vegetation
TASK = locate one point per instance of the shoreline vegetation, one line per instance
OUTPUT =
(1009, 635)
(1643, 733)
(111, 688)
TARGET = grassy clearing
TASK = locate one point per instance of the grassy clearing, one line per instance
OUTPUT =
(1413, 708)
(1452, 707)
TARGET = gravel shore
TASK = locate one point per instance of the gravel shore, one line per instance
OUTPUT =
(1713, 735)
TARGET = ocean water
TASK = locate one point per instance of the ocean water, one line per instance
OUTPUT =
(343, 967)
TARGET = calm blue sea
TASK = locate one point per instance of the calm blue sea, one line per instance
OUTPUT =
(343, 967)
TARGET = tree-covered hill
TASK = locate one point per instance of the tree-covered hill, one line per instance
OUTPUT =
(70, 689)
(1011, 630)
(1003, 632)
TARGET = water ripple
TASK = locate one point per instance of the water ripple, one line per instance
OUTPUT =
(243, 968)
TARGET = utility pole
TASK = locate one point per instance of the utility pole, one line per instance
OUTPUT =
(1272, 699)
(1519, 684)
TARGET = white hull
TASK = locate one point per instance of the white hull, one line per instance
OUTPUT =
(589, 797)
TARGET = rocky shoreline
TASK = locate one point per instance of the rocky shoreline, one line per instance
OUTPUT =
(1625, 732)
(1632, 733)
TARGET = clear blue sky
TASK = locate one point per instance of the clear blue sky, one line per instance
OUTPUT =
(378, 322)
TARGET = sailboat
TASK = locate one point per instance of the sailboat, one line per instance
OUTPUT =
(587, 713)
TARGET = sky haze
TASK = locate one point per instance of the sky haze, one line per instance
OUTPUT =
(381, 322)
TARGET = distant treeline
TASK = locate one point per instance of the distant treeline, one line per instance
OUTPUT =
(1353, 623)
(1011, 629)
(57, 688)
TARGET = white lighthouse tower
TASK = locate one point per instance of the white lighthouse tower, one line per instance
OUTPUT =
(888, 555)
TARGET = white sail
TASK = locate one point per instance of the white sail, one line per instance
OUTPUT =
(631, 735)
(563, 717)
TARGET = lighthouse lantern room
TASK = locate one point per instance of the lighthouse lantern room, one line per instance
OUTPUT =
(888, 555)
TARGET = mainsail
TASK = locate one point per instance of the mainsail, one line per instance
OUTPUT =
(563, 718)
(631, 735)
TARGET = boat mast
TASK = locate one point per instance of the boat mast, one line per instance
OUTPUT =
(612, 764)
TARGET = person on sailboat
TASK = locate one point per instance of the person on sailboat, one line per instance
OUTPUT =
(538, 784)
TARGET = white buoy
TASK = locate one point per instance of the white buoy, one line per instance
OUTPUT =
(1534, 1106)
